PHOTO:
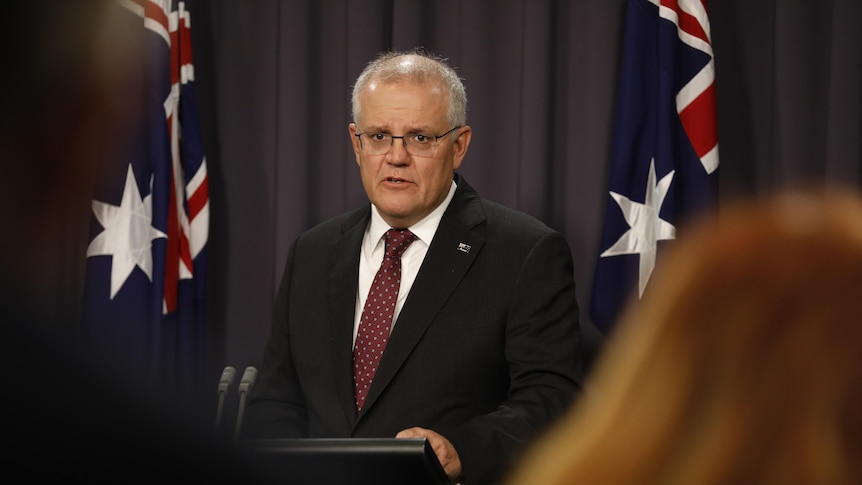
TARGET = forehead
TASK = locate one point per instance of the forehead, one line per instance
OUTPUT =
(404, 103)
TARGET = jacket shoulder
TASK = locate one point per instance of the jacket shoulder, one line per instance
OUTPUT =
(339, 225)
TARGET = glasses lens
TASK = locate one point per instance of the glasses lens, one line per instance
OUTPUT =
(377, 143)
(417, 144)
(420, 145)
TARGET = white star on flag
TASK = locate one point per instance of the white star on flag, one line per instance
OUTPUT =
(128, 234)
(646, 228)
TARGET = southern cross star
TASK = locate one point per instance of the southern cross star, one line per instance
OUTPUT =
(128, 234)
(646, 228)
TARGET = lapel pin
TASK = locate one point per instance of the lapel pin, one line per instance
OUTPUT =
(464, 247)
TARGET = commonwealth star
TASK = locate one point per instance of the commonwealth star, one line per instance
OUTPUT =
(128, 234)
(646, 228)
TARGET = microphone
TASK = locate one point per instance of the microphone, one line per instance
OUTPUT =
(245, 388)
(227, 377)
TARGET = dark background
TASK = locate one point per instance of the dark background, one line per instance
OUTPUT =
(274, 80)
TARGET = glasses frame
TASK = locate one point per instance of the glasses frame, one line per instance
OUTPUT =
(392, 138)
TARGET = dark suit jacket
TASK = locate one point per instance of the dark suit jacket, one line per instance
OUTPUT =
(486, 350)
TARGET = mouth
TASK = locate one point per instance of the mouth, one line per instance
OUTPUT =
(395, 180)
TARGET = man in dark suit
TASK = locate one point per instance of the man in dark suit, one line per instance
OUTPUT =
(484, 349)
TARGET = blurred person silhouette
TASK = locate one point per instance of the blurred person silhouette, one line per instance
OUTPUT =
(67, 413)
(61, 60)
(741, 364)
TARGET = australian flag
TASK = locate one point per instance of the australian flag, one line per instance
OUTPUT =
(145, 291)
(664, 165)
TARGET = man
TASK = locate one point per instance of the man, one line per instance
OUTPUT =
(483, 350)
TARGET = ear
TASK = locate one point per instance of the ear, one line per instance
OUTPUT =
(354, 140)
(460, 146)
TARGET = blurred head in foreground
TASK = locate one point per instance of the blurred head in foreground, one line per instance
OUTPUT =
(66, 65)
(742, 363)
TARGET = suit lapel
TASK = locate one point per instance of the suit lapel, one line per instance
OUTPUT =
(342, 270)
(449, 256)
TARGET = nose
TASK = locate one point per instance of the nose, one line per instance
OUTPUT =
(398, 153)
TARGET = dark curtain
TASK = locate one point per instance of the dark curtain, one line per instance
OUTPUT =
(274, 79)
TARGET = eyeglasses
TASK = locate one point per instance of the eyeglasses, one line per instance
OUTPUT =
(416, 144)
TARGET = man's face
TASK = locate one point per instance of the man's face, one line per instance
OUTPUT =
(404, 187)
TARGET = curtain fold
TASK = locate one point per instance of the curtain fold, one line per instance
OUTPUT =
(276, 76)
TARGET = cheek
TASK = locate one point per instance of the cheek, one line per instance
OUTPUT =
(366, 165)
(429, 169)
(369, 170)
(439, 172)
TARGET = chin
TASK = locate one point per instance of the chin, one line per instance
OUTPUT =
(398, 205)
(394, 212)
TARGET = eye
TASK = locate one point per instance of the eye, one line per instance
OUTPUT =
(379, 136)
(421, 139)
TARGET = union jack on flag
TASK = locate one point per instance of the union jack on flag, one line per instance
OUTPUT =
(664, 165)
(145, 292)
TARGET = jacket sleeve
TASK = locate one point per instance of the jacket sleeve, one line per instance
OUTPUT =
(276, 408)
(543, 354)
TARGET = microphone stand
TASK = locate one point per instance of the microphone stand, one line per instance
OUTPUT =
(245, 387)
(227, 377)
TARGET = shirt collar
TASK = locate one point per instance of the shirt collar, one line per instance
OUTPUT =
(424, 229)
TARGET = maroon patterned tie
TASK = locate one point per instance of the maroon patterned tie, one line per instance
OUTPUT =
(377, 315)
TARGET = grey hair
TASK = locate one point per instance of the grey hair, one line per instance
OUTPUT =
(387, 67)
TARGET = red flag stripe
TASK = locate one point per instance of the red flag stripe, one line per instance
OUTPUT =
(198, 208)
(698, 120)
(156, 13)
(175, 57)
(186, 254)
(180, 258)
(185, 44)
(198, 200)
(696, 100)
(688, 23)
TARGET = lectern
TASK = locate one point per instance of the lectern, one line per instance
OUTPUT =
(354, 461)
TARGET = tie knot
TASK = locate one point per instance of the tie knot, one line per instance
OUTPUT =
(397, 241)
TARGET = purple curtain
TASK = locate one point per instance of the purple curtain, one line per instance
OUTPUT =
(274, 79)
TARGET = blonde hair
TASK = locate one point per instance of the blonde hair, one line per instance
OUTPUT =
(742, 363)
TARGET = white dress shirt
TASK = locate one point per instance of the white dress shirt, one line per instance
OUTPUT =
(373, 247)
